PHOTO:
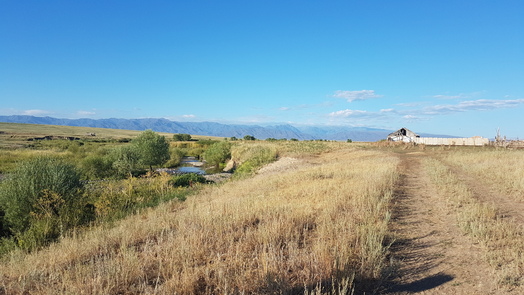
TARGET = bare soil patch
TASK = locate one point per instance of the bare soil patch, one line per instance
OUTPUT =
(281, 165)
(434, 256)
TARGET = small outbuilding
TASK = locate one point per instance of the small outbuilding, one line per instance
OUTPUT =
(404, 135)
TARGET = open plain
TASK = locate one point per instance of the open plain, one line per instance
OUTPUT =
(324, 218)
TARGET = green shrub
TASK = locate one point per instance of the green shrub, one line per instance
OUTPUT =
(181, 137)
(187, 179)
(42, 198)
(4, 230)
(152, 147)
(195, 152)
(7, 245)
(125, 160)
(97, 167)
(176, 155)
(218, 153)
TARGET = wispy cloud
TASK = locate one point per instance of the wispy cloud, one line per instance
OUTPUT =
(36, 112)
(387, 111)
(350, 113)
(420, 111)
(352, 95)
(305, 106)
(411, 104)
(85, 113)
(459, 96)
(188, 116)
(473, 105)
(411, 118)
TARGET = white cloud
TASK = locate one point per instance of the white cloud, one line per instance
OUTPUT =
(356, 94)
(349, 113)
(85, 113)
(387, 110)
(36, 112)
(410, 104)
(459, 96)
(188, 116)
(473, 105)
(284, 109)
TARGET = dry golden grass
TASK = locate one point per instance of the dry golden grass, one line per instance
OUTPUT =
(19, 132)
(502, 169)
(502, 239)
(317, 229)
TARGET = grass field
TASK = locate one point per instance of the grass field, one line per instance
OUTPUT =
(315, 226)
(15, 134)
(326, 218)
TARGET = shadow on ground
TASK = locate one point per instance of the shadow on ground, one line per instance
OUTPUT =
(421, 285)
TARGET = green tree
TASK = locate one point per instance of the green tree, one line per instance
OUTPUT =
(218, 153)
(182, 137)
(249, 137)
(152, 148)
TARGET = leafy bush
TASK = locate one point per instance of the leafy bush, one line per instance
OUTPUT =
(97, 167)
(187, 180)
(42, 198)
(4, 230)
(176, 155)
(152, 147)
(125, 159)
(218, 153)
(181, 137)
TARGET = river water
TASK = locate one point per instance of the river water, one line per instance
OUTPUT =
(187, 165)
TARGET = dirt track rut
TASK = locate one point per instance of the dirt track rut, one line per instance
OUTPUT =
(433, 255)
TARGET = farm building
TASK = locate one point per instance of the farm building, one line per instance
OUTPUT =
(403, 134)
(406, 135)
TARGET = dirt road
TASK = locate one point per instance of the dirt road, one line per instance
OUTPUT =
(434, 256)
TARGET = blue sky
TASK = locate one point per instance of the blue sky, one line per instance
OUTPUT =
(445, 67)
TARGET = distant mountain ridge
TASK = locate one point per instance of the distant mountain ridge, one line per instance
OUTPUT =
(217, 129)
